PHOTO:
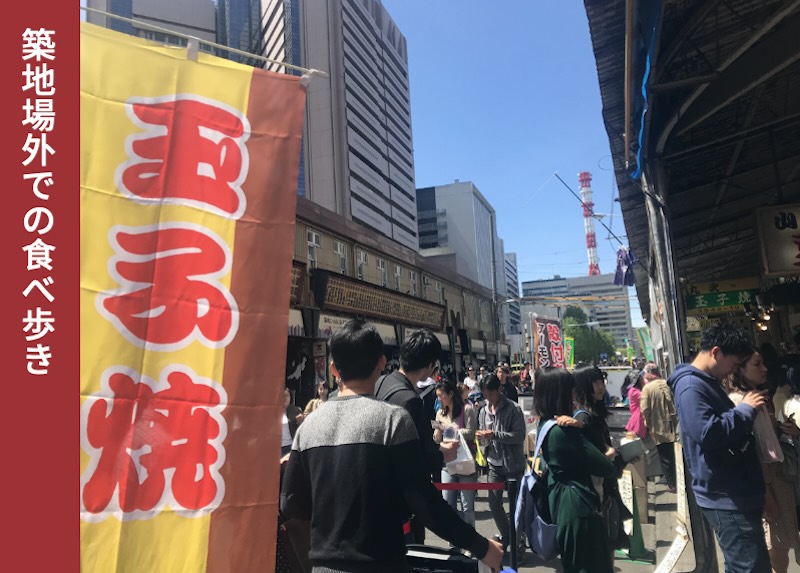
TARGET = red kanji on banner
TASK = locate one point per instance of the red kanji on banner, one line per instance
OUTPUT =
(557, 352)
(192, 151)
(153, 444)
(170, 291)
(554, 333)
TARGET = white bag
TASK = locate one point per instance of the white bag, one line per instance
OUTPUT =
(464, 464)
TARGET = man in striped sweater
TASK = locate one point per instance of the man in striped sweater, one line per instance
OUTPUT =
(355, 473)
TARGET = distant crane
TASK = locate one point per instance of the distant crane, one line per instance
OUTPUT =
(585, 179)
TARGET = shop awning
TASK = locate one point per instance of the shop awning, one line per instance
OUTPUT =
(714, 120)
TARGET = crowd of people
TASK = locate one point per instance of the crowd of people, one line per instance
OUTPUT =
(364, 459)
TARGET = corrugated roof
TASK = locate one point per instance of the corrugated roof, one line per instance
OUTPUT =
(743, 153)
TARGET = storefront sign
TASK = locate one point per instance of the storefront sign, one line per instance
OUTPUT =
(457, 343)
(443, 338)
(569, 352)
(298, 274)
(296, 327)
(491, 348)
(328, 324)
(779, 232)
(477, 347)
(357, 297)
(387, 332)
(721, 297)
(548, 343)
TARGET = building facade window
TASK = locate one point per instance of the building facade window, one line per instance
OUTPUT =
(412, 276)
(381, 264)
(398, 274)
(362, 263)
(340, 249)
(314, 243)
(439, 296)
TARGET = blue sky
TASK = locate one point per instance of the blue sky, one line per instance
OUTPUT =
(504, 94)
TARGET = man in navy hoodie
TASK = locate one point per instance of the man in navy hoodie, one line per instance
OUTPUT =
(719, 448)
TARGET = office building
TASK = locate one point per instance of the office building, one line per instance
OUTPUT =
(597, 295)
(357, 149)
(186, 17)
(511, 314)
(456, 219)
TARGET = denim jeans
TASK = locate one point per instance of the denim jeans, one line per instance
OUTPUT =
(467, 496)
(741, 538)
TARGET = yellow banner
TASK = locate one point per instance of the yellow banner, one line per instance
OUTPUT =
(188, 184)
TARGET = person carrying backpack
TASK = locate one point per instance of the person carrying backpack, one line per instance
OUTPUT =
(571, 462)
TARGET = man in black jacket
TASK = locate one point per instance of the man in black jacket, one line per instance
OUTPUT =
(355, 470)
(418, 357)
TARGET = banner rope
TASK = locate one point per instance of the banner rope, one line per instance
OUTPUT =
(471, 486)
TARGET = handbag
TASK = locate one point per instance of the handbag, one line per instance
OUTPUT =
(464, 464)
(480, 459)
(790, 468)
(614, 514)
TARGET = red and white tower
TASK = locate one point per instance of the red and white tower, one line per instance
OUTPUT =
(585, 179)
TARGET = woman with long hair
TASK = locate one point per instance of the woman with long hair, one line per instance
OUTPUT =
(572, 460)
(636, 424)
(591, 411)
(780, 519)
(458, 414)
(320, 397)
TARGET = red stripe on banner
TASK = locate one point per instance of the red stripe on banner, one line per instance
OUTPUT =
(471, 486)
(40, 414)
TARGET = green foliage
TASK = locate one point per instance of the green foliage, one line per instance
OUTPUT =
(590, 342)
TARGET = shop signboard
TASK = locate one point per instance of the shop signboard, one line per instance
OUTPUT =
(548, 343)
(336, 292)
(387, 332)
(644, 339)
(721, 297)
(477, 347)
(443, 338)
(296, 327)
(329, 323)
(457, 343)
(569, 352)
(779, 234)
(505, 350)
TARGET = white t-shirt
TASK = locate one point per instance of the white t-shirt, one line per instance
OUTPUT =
(286, 435)
(470, 382)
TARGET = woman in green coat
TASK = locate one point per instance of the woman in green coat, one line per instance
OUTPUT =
(572, 461)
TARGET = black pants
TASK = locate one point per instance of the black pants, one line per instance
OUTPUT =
(666, 452)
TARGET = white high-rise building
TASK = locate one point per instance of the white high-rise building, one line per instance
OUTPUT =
(456, 218)
(357, 149)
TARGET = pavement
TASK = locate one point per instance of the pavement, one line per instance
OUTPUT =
(659, 532)
(658, 535)
(662, 506)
